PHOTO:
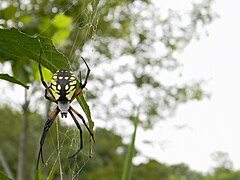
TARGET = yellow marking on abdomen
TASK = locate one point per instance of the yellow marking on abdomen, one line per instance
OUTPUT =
(54, 77)
(70, 95)
(72, 77)
(73, 83)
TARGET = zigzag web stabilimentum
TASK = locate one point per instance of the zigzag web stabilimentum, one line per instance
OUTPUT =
(63, 140)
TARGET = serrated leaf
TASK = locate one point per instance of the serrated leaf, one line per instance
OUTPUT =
(12, 80)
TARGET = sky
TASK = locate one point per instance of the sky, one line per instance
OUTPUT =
(209, 125)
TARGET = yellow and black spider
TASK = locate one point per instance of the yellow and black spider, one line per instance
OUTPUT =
(62, 90)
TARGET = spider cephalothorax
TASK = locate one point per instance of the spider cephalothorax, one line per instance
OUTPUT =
(63, 90)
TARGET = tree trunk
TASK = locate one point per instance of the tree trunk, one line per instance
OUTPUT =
(22, 142)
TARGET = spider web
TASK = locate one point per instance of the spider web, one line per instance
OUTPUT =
(57, 160)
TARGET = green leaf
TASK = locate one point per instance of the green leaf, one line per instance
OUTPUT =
(87, 111)
(127, 171)
(12, 80)
(21, 45)
(3, 176)
(37, 175)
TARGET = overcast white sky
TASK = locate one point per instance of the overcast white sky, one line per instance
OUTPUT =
(214, 124)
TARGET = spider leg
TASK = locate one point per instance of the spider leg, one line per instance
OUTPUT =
(80, 131)
(76, 93)
(88, 72)
(80, 78)
(82, 86)
(42, 78)
(84, 122)
(44, 133)
(50, 98)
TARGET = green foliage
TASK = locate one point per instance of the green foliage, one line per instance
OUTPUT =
(12, 80)
(223, 174)
(3, 176)
(160, 171)
(106, 164)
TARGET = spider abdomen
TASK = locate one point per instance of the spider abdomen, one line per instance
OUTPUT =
(63, 85)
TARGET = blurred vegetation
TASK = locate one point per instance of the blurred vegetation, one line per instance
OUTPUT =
(128, 45)
(105, 163)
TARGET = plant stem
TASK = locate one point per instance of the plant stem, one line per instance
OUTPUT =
(127, 171)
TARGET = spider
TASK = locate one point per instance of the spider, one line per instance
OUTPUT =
(62, 91)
